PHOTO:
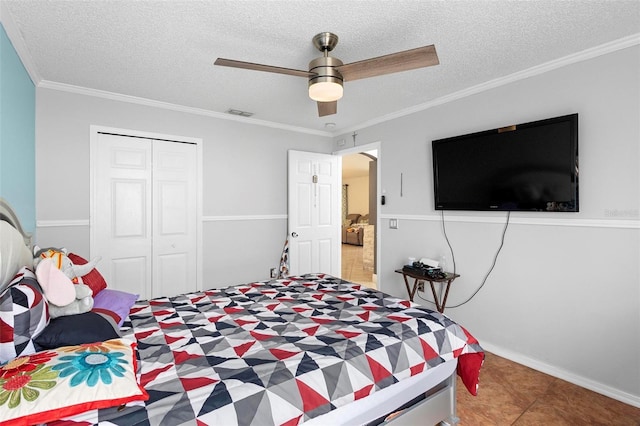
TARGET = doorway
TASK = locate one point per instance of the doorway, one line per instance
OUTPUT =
(359, 215)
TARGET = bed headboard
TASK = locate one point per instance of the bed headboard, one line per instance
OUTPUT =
(15, 244)
(7, 214)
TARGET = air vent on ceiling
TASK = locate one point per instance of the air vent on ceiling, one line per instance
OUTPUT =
(240, 113)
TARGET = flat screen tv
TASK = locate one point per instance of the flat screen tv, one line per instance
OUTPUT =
(525, 167)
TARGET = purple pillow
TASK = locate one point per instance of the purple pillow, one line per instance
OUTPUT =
(115, 303)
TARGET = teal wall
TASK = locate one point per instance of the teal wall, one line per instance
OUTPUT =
(17, 134)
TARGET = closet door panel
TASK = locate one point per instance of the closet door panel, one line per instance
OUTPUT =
(130, 217)
(131, 274)
(174, 238)
(173, 272)
(123, 212)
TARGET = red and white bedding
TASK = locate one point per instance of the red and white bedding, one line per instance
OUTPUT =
(280, 352)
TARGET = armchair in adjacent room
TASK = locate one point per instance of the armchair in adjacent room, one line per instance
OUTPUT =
(352, 229)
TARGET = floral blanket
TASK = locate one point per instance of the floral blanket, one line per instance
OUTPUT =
(280, 351)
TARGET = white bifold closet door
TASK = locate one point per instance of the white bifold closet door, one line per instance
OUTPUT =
(145, 215)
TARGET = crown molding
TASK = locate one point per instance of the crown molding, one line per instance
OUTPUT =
(46, 84)
(584, 55)
(18, 43)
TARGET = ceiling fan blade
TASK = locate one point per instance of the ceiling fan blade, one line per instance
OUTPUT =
(420, 57)
(327, 108)
(260, 67)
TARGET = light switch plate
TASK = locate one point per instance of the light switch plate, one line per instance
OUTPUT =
(393, 223)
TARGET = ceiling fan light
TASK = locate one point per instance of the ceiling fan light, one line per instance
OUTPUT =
(326, 83)
(326, 91)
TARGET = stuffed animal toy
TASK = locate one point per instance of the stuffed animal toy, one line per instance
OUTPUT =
(62, 283)
(62, 261)
(82, 303)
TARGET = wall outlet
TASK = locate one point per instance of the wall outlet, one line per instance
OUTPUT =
(273, 272)
(421, 286)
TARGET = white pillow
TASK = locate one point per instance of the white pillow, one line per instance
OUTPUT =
(14, 254)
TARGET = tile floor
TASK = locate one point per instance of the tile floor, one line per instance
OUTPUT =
(352, 269)
(512, 394)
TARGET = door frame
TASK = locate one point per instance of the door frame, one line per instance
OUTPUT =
(355, 150)
(94, 131)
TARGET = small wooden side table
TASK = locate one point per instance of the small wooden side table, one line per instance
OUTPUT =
(440, 301)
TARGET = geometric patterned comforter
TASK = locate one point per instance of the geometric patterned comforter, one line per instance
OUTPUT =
(278, 352)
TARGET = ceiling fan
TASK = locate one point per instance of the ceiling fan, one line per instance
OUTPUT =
(326, 74)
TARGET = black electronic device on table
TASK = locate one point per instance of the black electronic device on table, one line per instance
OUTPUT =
(419, 268)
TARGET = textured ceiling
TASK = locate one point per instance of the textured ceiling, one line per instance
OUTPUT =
(164, 50)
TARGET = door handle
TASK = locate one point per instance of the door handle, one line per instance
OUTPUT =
(294, 234)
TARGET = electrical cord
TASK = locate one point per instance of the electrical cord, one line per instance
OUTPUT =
(484, 280)
(446, 238)
(495, 259)
(453, 258)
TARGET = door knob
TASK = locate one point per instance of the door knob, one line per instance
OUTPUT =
(294, 234)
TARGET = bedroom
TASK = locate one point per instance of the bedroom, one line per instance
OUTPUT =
(565, 295)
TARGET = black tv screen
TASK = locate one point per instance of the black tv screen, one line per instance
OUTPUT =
(526, 167)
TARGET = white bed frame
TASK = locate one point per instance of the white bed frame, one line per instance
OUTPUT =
(438, 407)
(7, 214)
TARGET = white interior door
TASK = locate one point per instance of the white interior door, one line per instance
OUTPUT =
(314, 213)
(174, 218)
(122, 222)
(145, 214)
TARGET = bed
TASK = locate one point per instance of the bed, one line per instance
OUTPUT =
(312, 349)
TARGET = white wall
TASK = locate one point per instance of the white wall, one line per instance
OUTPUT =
(244, 188)
(565, 294)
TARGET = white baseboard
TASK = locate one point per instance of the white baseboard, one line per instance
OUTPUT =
(559, 373)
